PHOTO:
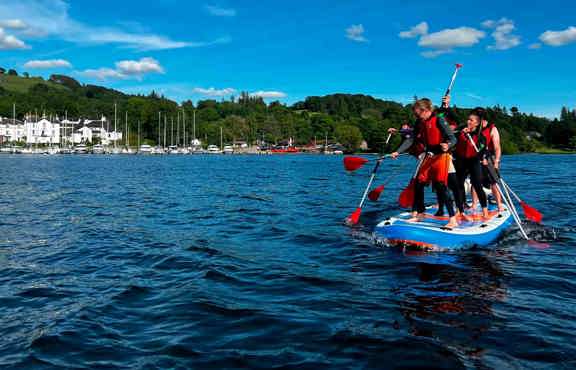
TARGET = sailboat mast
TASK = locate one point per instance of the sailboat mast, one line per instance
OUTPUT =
(184, 127)
(126, 128)
(115, 124)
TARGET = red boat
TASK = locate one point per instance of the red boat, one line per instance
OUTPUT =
(289, 149)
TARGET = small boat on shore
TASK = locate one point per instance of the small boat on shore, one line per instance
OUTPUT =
(228, 149)
(430, 232)
(145, 149)
(287, 149)
(213, 149)
(80, 149)
(98, 149)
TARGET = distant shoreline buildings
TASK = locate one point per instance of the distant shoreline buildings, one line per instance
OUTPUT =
(53, 131)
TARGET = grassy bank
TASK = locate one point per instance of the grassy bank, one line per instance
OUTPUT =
(553, 151)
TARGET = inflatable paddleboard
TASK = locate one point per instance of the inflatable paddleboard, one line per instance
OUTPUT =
(431, 234)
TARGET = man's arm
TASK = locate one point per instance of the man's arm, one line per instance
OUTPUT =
(495, 135)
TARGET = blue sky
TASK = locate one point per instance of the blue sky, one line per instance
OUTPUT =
(513, 55)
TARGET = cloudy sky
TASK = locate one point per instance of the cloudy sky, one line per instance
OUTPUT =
(513, 55)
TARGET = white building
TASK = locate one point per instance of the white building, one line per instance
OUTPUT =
(54, 131)
(11, 130)
(42, 132)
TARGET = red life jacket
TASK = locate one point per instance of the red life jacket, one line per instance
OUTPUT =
(487, 133)
(431, 134)
(418, 146)
(464, 148)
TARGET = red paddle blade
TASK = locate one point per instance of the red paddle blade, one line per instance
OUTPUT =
(458, 65)
(375, 194)
(406, 198)
(531, 213)
(354, 163)
(354, 217)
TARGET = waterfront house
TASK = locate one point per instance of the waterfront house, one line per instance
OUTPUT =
(54, 131)
(11, 130)
(42, 132)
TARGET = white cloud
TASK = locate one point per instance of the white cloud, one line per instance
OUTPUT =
(8, 42)
(418, 30)
(451, 38)
(50, 18)
(46, 64)
(435, 53)
(559, 38)
(535, 46)
(444, 41)
(14, 24)
(103, 74)
(502, 34)
(488, 24)
(474, 96)
(126, 69)
(139, 67)
(269, 94)
(356, 33)
(214, 92)
(219, 11)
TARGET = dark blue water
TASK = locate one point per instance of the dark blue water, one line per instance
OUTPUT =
(243, 261)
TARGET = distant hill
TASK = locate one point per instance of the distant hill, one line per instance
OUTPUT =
(345, 118)
(19, 84)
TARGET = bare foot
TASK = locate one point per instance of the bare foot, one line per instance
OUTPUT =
(485, 214)
(419, 217)
(452, 223)
(465, 217)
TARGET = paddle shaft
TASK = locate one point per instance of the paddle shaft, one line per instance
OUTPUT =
(499, 185)
(373, 174)
(458, 66)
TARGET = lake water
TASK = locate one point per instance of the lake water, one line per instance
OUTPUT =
(244, 261)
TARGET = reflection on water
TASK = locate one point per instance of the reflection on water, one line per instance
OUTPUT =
(244, 262)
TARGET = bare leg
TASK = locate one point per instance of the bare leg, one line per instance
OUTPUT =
(452, 223)
(474, 199)
(498, 197)
(485, 214)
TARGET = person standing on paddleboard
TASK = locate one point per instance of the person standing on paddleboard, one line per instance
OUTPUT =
(453, 183)
(492, 152)
(468, 159)
(431, 131)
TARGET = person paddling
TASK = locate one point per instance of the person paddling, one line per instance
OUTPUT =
(492, 152)
(453, 183)
(468, 159)
(431, 131)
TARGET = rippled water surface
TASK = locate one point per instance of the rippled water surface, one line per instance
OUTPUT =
(243, 261)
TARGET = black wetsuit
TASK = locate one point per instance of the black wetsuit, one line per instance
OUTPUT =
(444, 197)
(469, 163)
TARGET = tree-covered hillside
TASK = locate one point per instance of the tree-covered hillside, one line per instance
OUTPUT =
(348, 119)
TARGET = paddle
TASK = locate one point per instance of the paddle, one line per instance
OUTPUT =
(499, 185)
(406, 198)
(355, 216)
(354, 163)
(376, 192)
(374, 195)
(531, 213)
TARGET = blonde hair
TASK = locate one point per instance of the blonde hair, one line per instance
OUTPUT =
(423, 104)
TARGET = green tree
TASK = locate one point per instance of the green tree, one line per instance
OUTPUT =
(349, 136)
